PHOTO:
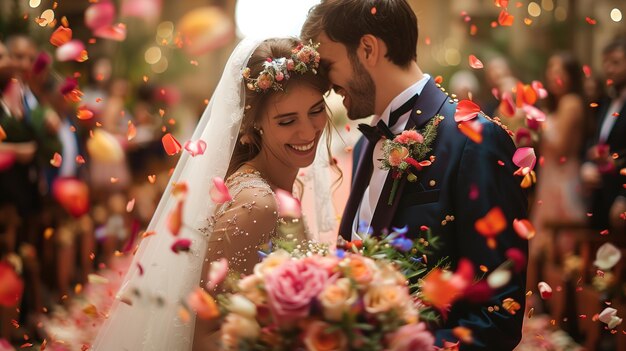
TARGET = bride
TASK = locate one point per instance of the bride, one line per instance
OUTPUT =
(264, 122)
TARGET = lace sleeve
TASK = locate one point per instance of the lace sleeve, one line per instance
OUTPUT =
(242, 227)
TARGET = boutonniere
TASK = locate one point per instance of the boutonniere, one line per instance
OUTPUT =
(408, 152)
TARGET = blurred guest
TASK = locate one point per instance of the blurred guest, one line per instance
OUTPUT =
(605, 158)
(559, 197)
(496, 71)
(465, 85)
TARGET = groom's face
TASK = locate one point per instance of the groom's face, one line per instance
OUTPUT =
(349, 78)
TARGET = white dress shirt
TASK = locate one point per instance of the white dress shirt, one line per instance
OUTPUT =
(609, 119)
(377, 181)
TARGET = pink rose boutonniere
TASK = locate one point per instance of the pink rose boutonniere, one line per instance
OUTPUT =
(407, 152)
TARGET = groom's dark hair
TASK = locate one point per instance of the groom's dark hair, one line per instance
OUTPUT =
(346, 21)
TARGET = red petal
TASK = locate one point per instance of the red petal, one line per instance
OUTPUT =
(507, 107)
(170, 144)
(474, 62)
(545, 290)
(83, 113)
(116, 32)
(12, 286)
(181, 245)
(466, 110)
(56, 160)
(524, 228)
(505, 19)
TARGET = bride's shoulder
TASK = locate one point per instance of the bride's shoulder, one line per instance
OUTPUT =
(249, 189)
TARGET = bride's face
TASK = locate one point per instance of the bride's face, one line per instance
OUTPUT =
(292, 124)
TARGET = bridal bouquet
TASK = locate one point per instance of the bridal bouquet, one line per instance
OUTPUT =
(356, 298)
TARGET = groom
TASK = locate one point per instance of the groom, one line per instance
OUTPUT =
(369, 49)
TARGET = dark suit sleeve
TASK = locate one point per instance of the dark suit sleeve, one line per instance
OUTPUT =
(497, 186)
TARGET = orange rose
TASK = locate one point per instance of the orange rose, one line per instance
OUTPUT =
(337, 299)
(384, 298)
(360, 269)
(203, 304)
(317, 338)
(396, 156)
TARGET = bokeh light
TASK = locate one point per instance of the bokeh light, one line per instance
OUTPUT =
(153, 55)
(534, 9)
(616, 15)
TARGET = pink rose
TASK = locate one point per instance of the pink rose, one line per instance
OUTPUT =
(411, 337)
(290, 65)
(291, 287)
(396, 156)
(409, 137)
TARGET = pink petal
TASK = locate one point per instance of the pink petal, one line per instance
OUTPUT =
(507, 106)
(217, 273)
(545, 290)
(148, 10)
(219, 192)
(466, 110)
(99, 15)
(116, 32)
(534, 113)
(181, 245)
(496, 93)
(587, 71)
(525, 157)
(70, 51)
(288, 206)
(474, 62)
(539, 89)
(195, 147)
(518, 258)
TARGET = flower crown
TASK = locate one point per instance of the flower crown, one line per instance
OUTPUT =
(304, 58)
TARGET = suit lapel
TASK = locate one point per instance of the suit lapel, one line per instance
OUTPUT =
(428, 104)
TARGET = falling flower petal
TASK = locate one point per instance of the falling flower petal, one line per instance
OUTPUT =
(609, 317)
(130, 205)
(464, 334)
(518, 258)
(68, 85)
(545, 290)
(288, 206)
(203, 304)
(99, 15)
(3, 134)
(195, 148)
(11, 286)
(542, 93)
(607, 256)
(61, 36)
(181, 245)
(534, 113)
(116, 32)
(170, 144)
(56, 160)
(507, 107)
(499, 278)
(72, 194)
(217, 273)
(440, 290)
(505, 19)
(466, 110)
(491, 225)
(180, 190)
(42, 62)
(104, 147)
(475, 63)
(502, 3)
(83, 113)
(525, 157)
(511, 305)
(219, 192)
(524, 228)
(175, 218)
(70, 51)
(587, 71)
(472, 130)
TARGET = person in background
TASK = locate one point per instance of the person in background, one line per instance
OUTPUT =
(605, 159)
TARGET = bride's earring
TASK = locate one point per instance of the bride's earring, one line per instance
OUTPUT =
(258, 130)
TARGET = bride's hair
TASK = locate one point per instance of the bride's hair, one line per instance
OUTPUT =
(256, 100)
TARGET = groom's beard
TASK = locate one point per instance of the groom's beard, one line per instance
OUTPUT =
(362, 91)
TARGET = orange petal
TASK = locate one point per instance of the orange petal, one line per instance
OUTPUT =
(171, 145)
(473, 130)
(505, 19)
(530, 96)
(61, 36)
(56, 160)
(3, 134)
(507, 108)
(175, 218)
(83, 113)
(492, 224)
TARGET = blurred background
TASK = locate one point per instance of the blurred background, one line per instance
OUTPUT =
(100, 97)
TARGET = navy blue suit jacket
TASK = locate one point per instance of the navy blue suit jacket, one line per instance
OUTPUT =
(443, 189)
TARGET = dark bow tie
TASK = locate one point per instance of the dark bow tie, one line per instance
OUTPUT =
(382, 130)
